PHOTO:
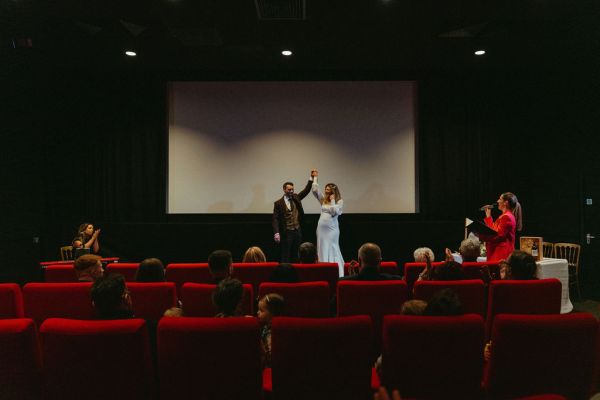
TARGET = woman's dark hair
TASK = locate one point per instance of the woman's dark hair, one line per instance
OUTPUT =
(275, 304)
(522, 266)
(227, 297)
(444, 303)
(107, 295)
(515, 207)
(81, 230)
(448, 271)
(150, 270)
(284, 273)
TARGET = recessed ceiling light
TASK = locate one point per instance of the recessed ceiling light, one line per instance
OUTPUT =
(480, 52)
(287, 53)
(130, 53)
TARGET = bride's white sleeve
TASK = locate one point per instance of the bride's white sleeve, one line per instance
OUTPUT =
(316, 191)
(334, 209)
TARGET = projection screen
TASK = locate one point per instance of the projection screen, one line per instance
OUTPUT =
(233, 144)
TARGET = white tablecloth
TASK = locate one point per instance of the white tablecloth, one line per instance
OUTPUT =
(559, 269)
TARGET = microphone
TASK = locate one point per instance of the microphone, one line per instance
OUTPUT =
(488, 207)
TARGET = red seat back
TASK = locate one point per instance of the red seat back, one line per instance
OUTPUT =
(60, 273)
(128, 270)
(412, 270)
(197, 300)
(470, 292)
(321, 358)
(78, 353)
(20, 361)
(473, 270)
(328, 272)
(11, 301)
(64, 300)
(542, 354)
(541, 296)
(306, 299)
(191, 272)
(209, 358)
(151, 299)
(253, 273)
(433, 357)
(387, 267)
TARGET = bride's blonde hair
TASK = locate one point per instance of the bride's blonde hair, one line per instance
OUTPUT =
(336, 192)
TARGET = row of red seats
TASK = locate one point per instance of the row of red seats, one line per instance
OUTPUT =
(309, 299)
(212, 358)
(257, 273)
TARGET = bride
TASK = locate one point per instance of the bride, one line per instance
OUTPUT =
(328, 230)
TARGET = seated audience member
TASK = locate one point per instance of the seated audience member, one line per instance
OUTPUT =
(227, 298)
(110, 298)
(421, 253)
(470, 249)
(413, 307)
(369, 265)
(219, 264)
(307, 253)
(450, 270)
(150, 270)
(444, 303)
(174, 312)
(284, 273)
(88, 268)
(519, 266)
(89, 237)
(269, 306)
(254, 255)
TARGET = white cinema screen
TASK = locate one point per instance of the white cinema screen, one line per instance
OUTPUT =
(232, 145)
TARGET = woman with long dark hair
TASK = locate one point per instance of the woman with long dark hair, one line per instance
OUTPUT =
(502, 244)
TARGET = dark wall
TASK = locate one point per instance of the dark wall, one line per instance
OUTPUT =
(91, 146)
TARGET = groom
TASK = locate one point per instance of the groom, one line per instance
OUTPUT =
(287, 218)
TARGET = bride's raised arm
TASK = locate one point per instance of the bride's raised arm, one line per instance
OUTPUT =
(315, 185)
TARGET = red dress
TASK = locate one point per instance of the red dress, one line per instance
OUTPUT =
(500, 246)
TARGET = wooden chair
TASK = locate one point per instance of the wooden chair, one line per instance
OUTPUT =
(66, 253)
(570, 252)
(548, 249)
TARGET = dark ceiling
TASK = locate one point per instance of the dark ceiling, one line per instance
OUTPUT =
(401, 35)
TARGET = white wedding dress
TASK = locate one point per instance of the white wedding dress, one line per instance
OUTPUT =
(328, 230)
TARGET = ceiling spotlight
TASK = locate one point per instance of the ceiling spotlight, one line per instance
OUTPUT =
(130, 53)
(287, 53)
(480, 52)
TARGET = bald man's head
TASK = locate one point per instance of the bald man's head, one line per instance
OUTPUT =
(369, 255)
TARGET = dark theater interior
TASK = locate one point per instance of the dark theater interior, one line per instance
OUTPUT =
(170, 125)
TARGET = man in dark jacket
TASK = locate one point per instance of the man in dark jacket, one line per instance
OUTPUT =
(369, 260)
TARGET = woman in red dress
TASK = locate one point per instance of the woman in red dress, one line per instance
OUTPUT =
(502, 244)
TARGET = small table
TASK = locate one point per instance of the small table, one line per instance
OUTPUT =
(559, 269)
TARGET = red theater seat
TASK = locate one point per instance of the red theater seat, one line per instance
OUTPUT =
(60, 273)
(11, 301)
(473, 270)
(321, 358)
(253, 273)
(328, 272)
(433, 357)
(372, 298)
(470, 292)
(151, 299)
(64, 300)
(412, 270)
(192, 272)
(306, 299)
(542, 354)
(96, 359)
(387, 267)
(128, 270)
(197, 300)
(541, 296)
(209, 358)
(20, 361)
